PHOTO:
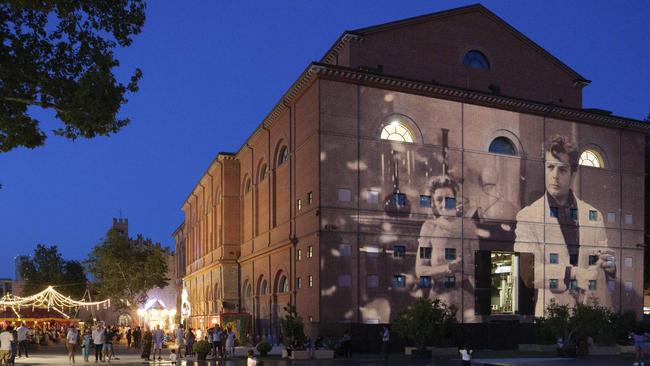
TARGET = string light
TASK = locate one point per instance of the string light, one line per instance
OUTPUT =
(46, 299)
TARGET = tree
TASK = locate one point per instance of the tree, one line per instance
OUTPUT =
(125, 269)
(646, 254)
(48, 268)
(425, 320)
(293, 333)
(58, 55)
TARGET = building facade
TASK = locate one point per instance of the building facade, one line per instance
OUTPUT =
(444, 156)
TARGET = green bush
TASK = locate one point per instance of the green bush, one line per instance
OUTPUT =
(201, 348)
(264, 348)
(425, 320)
(292, 328)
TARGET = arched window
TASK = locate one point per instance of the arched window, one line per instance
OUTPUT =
(283, 155)
(263, 288)
(249, 291)
(247, 186)
(283, 284)
(264, 172)
(476, 59)
(591, 158)
(396, 131)
(502, 145)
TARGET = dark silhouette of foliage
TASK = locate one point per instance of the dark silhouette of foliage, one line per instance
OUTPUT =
(48, 268)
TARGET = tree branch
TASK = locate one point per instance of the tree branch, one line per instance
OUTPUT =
(34, 102)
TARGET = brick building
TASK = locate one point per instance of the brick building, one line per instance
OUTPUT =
(446, 156)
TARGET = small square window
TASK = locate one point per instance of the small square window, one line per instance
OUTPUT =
(345, 280)
(593, 259)
(399, 199)
(299, 204)
(372, 281)
(425, 201)
(553, 211)
(298, 282)
(345, 250)
(450, 203)
(399, 251)
(611, 217)
(310, 198)
(627, 262)
(450, 254)
(425, 253)
(372, 251)
(299, 255)
(592, 285)
(574, 213)
(450, 281)
(399, 281)
(552, 283)
(553, 258)
(628, 286)
(629, 219)
(425, 281)
(310, 251)
(573, 285)
(372, 197)
(345, 195)
(573, 259)
(593, 215)
(310, 281)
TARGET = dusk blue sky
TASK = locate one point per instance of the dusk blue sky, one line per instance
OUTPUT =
(212, 72)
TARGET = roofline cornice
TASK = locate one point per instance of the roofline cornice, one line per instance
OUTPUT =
(344, 39)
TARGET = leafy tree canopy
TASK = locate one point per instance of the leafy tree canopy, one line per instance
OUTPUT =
(48, 268)
(125, 269)
(58, 55)
(293, 333)
(425, 320)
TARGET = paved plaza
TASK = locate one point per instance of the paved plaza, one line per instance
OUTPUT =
(56, 355)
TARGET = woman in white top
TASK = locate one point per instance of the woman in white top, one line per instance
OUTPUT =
(71, 340)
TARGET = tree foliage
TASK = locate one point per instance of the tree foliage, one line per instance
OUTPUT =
(58, 55)
(293, 333)
(646, 254)
(125, 269)
(48, 268)
(425, 320)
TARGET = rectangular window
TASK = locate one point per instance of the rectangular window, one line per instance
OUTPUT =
(553, 258)
(450, 203)
(399, 281)
(573, 259)
(450, 281)
(310, 198)
(552, 283)
(574, 213)
(425, 201)
(345, 250)
(425, 281)
(573, 285)
(299, 204)
(399, 251)
(627, 262)
(629, 220)
(425, 253)
(593, 215)
(299, 255)
(611, 217)
(628, 286)
(298, 282)
(310, 281)
(345, 195)
(372, 197)
(345, 280)
(450, 254)
(372, 251)
(310, 251)
(592, 285)
(593, 259)
(553, 211)
(372, 281)
(399, 199)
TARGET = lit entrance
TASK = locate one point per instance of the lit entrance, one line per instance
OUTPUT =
(504, 284)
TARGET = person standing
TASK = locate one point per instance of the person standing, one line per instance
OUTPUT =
(158, 337)
(385, 341)
(71, 339)
(230, 343)
(128, 337)
(98, 341)
(6, 337)
(86, 340)
(190, 342)
(180, 340)
(346, 343)
(108, 344)
(146, 344)
(137, 337)
(23, 343)
(216, 340)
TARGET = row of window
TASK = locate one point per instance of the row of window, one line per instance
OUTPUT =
(283, 156)
(592, 285)
(310, 200)
(554, 258)
(310, 253)
(593, 215)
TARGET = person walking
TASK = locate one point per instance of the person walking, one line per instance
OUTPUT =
(98, 341)
(385, 341)
(216, 341)
(230, 343)
(146, 344)
(86, 340)
(23, 342)
(137, 337)
(638, 338)
(158, 337)
(346, 344)
(6, 337)
(180, 340)
(129, 334)
(71, 339)
(190, 342)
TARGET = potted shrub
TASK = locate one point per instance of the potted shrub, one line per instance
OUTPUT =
(202, 348)
(264, 348)
(424, 320)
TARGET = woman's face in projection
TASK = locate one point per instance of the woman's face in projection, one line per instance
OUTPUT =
(439, 196)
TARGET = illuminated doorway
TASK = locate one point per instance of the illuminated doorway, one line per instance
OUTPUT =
(504, 285)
